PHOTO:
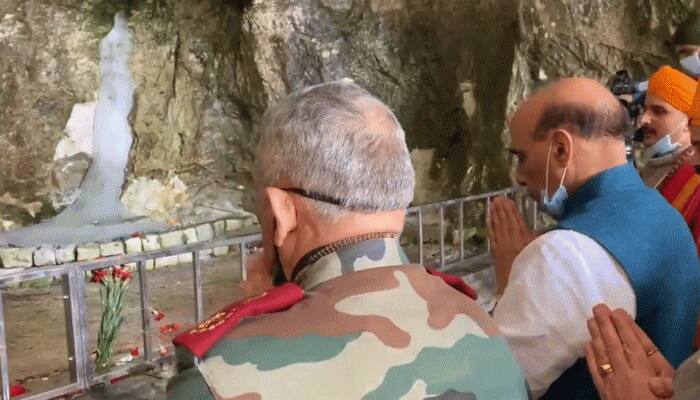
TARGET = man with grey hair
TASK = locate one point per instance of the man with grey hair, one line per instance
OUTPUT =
(355, 320)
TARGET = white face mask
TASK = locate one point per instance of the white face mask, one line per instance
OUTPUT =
(692, 64)
(554, 206)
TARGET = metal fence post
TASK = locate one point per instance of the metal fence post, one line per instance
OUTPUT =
(145, 311)
(197, 271)
(461, 230)
(420, 236)
(442, 237)
(4, 367)
(76, 328)
(244, 258)
(487, 218)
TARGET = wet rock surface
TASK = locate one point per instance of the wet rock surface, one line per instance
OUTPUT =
(206, 71)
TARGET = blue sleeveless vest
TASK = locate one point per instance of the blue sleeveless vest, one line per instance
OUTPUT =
(654, 246)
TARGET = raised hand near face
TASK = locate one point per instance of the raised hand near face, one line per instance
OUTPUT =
(258, 279)
(508, 236)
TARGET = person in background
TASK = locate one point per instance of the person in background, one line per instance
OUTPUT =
(665, 124)
(680, 182)
(686, 42)
(616, 241)
(686, 46)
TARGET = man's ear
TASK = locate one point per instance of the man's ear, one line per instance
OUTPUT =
(283, 211)
(687, 128)
(562, 146)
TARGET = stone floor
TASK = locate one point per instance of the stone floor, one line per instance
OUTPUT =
(36, 335)
(140, 387)
(37, 346)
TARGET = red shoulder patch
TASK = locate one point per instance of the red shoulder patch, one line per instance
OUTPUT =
(208, 332)
(454, 281)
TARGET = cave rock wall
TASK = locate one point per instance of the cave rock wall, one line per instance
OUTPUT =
(206, 70)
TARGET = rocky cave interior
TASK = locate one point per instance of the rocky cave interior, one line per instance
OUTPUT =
(206, 70)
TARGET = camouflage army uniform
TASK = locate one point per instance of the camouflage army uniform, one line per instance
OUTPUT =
(369, 327)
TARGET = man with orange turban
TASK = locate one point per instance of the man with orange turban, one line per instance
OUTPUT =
(681, 185)
(666, 125)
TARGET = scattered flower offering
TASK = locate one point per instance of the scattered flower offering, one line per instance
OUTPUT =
(18, 390)
(170, 328)
(157, 315)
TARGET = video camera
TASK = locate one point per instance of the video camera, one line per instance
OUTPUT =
(631, 93)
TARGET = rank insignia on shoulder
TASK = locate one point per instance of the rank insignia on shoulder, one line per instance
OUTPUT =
(207, 333)
(454, 281)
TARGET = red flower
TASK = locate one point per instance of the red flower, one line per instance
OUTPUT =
(118, 379)
(157, 315)
(99, 275)
(122, 273)
(17, 390)
(134, 352)
(170, 328)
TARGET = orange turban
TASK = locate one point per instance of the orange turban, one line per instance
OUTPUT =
(674, 87)
(695, 108)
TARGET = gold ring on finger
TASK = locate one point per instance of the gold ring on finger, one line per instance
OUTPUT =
(605, 369)
(651, 352)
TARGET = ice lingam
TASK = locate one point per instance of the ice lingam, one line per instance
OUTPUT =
(97, 214)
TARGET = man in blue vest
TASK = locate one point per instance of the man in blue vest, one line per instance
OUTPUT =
(616, 242)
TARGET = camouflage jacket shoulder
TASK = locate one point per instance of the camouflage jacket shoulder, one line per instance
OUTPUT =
(374, 329)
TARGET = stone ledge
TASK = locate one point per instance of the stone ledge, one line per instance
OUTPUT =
(111, 249)
(45, 255)
(65, 254)
(150, 243)
(133, 245)
(88, 252)
(204, 233)
(16, 257)
(219, 227)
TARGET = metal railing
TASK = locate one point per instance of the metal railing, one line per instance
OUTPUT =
(74, 294)
(524, 205)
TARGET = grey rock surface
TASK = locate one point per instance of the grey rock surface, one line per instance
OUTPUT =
(205, 71)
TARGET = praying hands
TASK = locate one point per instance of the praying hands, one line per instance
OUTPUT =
(623, 361)
(508, 236)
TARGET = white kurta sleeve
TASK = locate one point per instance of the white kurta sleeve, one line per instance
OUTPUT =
(554, 284)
